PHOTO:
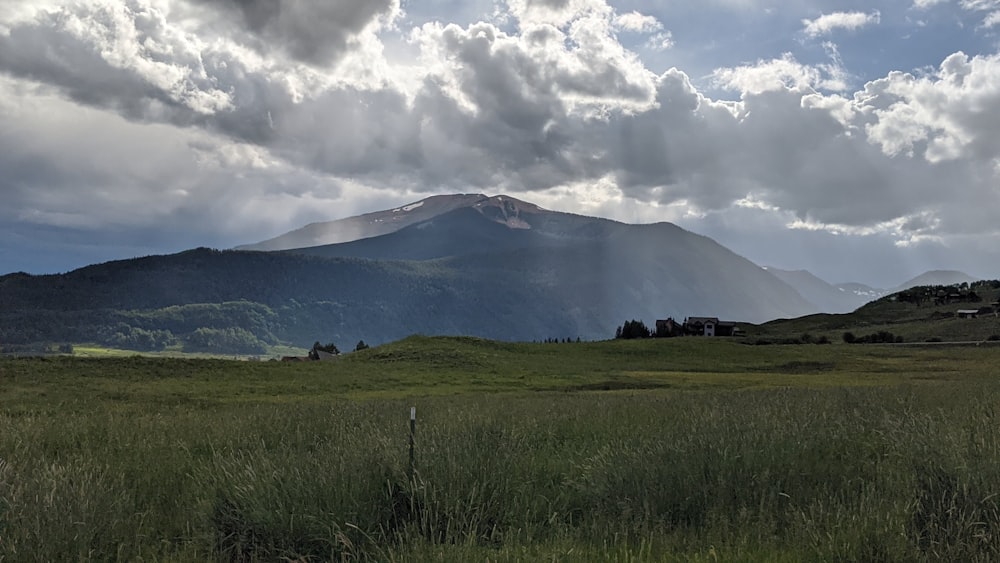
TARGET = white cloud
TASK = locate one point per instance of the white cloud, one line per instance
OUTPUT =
(990, 7)
(779, 74)
(660, 41)
(558, 13)
(980, 4)
(947, 115)
(637, 23)
(828, 23)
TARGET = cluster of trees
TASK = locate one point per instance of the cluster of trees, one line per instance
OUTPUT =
(143, 330)
(233, 340)
(633, 329)
(880, 337)
(945, 294)
(133, 338)
(239, 327)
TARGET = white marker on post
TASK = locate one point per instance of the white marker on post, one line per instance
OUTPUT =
(413, 429)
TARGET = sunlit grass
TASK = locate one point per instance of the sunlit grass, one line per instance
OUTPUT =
(95, 351)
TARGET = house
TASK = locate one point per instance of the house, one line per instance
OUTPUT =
(701, 326)
(968, 313)
(711, 326)
(697, 326)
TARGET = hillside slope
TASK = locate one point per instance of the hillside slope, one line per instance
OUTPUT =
(919, 314)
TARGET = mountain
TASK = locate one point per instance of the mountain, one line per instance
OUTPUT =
(826, 297)
(367, 225)
(865, 293)
(935, 277)
(846, 297)
(494, 267)
(607, 268)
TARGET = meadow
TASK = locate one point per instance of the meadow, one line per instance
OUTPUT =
(657, 450)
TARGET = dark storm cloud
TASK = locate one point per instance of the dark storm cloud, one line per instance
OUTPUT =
(213, 88)
(315, 31)
(522, 112)
(43, 51)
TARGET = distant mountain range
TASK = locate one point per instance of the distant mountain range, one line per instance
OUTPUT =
(846, 297)
(468, 264)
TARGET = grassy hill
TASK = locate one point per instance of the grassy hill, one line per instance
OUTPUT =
(917, 315)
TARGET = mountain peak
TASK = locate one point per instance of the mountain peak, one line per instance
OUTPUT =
(500, 208)
(507, 210)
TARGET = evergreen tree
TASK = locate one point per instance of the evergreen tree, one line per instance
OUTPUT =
(633, 329)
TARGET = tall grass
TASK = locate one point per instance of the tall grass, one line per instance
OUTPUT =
(873, 474)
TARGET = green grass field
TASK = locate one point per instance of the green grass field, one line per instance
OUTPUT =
(659, 450)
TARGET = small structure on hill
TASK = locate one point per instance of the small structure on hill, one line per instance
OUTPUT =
(697, 326)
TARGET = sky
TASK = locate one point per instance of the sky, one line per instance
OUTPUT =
(858, 140)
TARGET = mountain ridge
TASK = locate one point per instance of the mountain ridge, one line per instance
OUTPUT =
(846, 297)
(495, 267)
(377, 223)
(492, 267)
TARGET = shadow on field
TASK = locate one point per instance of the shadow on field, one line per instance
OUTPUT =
(614, 385)
(802, 367)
